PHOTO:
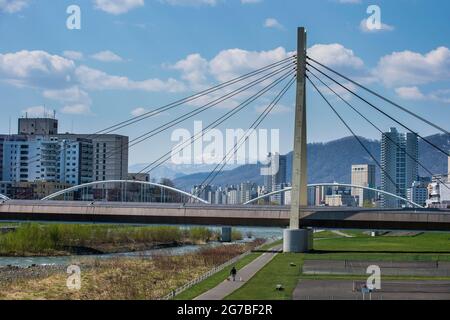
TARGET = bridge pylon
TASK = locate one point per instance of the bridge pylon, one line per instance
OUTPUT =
(296, 239)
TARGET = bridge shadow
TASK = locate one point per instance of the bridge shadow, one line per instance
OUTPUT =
(267, 251)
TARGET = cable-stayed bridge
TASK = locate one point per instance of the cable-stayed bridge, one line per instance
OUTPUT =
(298, 69)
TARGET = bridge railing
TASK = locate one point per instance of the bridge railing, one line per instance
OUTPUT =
(213, 271)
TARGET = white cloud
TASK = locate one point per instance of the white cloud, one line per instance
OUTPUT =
(75, 100)
(73, 55)
(227, 64)
(335, 55)
(414, 93)
(141, 111)
(35, 69)
(194, 69)
(272, 23)
(106, 56)
(12, 6)
(117, 7)
(94, 79)
(231, 63)
(409, 68)
(191, 2)
(410, 93)
(78, 109)
(138, 112)
(61, 80)
(39, 69)
(384, 27)
(37, 111)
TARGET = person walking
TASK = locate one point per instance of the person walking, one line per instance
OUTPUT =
(233, 273)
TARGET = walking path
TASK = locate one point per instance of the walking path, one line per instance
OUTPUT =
(340, 233)
(246, 273)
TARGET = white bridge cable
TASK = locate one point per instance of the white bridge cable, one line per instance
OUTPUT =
(354, 135)
(214, 173)
(218, 121)
(149, 134)
(179, 102)
(381, 111)
(381, 97)
(376, 127)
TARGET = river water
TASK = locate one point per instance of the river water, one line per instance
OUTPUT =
(255, 232)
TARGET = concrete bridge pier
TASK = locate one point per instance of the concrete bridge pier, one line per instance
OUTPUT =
(297, 240)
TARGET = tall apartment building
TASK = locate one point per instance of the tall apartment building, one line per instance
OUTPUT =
(46, 159)
(76, 161)
(363, 175)
(397, 165)
(110, 159)
(31, 159)
(276, 171)
(104, 156)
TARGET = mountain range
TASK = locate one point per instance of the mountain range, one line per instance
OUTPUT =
(328, 162)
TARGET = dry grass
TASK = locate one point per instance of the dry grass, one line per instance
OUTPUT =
(125, 278)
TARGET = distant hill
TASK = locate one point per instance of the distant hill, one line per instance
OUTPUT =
(329, 162)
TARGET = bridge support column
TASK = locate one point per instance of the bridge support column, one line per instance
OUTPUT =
(297, 240)
(226, 234)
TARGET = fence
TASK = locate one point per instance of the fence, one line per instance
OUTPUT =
(213, 271)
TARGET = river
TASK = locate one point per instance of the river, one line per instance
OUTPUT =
(255, 232)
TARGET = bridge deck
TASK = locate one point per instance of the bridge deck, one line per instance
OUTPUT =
(246, 215)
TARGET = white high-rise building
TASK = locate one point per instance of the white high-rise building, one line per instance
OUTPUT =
(399, 154)
(46, 159)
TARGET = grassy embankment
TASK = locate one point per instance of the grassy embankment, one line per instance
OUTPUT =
(32, 239)
(220, 276)
(124, 278)
(422, 247)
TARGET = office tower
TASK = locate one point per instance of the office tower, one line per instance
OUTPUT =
(37, 126)
(418, 193)
(397, 165)
(363, 175)
(276, 173)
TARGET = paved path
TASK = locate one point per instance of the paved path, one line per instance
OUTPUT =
(340, 233)
(227, 287)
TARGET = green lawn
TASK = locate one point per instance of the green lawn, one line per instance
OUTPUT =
(263, 285)
(220, 276)
(422, 247)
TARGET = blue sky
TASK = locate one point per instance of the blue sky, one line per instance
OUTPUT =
(135, 55)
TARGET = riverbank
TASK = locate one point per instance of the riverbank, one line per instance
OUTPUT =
(117, 278)
(36, 240)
